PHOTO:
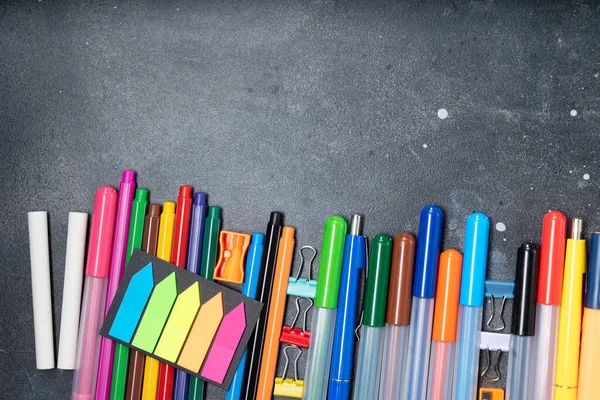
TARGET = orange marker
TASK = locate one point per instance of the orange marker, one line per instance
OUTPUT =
(445, 319)
(268, 365)
(202, 333)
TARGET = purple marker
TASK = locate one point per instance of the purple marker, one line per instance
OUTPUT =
(194, 256)
(107, 346)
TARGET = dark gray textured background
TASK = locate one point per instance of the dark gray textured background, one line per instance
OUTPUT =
(311, 108)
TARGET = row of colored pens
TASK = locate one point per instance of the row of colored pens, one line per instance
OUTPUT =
(420, 319)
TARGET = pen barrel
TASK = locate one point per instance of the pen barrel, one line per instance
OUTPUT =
(441, 367)
(419, 345)
(319, 353)
(466, 363)
(88, 343)
(369, 362)
(394, 361)
(589, 374)
(343, 343)
(546, 337)
(519, 379)
(569, 334)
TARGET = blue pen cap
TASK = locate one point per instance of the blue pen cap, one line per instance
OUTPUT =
(592, 291)
(255, 250)
(200, 199)
(475, 260)
(428, 251)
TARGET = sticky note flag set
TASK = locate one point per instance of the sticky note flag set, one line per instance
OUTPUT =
(181, 319)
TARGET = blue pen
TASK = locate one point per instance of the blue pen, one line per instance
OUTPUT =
(414, 385)
(355, 259)
(249, 288)
(470, 309)
(194, 256)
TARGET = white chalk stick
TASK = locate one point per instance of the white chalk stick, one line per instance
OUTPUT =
(71, 301)
(40, 289)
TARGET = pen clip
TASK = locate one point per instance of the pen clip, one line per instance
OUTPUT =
(288, 387)
(303, 287)
(296, 336)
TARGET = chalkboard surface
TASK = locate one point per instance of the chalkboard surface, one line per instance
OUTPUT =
(312, 108)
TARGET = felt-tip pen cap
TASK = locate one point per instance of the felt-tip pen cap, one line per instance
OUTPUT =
(186, 191)
(141, 195)
(330, 266)
(552, 258)
(401, 279)
(526, 280)
(101, 232)
(474, 260)
(445, 317)
(378, 279)
(592, 294)
(214, 212)
(200, 199)
(428, 251)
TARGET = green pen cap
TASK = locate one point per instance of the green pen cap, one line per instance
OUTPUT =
(330, 266)
(136, 223)
(141, 195)
(214, 212)
(378, 279)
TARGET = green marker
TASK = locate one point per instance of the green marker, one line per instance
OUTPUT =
(372, 335)
(323, 321)
(136, 232)
(207, 270)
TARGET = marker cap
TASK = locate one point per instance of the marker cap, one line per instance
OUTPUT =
(186, 191)
(200, 199)
(258, 239)
(401, 278)
(552, 258)
(446, 299)
(101, 232)
(378, 279)
(474, 260)
(526, 278)
(592, 295)
(154, 210)
(141, 195)
(168, 207)
(128, 176)
(214, 212)
(428, 251)
(330, 266)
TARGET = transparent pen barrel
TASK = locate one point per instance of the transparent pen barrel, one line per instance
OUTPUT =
(441, 367)
(519, 379)
(419, 344)
(394, 361)
(466, 363)
(369, 362)
(546, 332)
(319, 354)
(88, 344)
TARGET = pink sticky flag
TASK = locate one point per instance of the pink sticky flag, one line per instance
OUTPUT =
(226, 342)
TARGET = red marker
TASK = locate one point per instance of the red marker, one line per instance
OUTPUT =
(178, 257)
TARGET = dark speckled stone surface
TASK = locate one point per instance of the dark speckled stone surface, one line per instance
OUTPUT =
(312, 108)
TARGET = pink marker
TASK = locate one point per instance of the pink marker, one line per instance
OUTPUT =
(226, 342)
(107, 347)
(92, 308)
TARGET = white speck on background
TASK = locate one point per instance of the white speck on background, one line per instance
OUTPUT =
(87, 42)
(596, 75)
(424, 145)
(573, 113)
(531, 188)
(570, 172)
(586, 177)
(504, 239)
(500, 227)
(442, 113)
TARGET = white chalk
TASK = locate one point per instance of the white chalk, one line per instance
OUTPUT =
(40, 289)
(71, 301)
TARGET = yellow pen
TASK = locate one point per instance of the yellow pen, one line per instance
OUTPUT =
(567, 362)
(163, 251)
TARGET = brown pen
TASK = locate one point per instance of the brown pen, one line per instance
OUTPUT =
(136, 359)
(398, 315)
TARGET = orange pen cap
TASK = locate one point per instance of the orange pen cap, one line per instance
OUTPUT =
(447, 295)
(552, 258)
(230, 267)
